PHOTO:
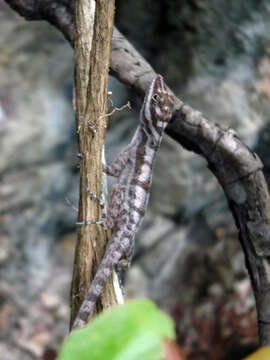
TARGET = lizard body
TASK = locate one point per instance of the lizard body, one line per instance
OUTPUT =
(134, 169)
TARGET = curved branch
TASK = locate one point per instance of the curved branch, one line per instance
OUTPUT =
(237, 168)
(57, 12)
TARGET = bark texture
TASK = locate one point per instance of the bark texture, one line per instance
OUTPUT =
(94, 24)
(237, 168)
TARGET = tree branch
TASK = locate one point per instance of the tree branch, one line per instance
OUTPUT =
(94, 24)
(238, 169)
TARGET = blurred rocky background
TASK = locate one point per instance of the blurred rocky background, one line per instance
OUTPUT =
(216, 57)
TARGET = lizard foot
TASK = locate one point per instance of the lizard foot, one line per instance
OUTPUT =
(85, 222)
(99, 199)
(80, 157)
(122, 265)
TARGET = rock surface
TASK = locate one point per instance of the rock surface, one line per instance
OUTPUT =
(216, 56)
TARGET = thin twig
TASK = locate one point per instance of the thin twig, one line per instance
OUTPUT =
(71, 204)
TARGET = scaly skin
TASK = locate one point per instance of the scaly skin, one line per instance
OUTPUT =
(134, 169)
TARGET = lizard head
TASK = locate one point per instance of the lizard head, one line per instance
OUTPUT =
(158, 104)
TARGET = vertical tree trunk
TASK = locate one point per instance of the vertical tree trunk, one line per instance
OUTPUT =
(94, 25)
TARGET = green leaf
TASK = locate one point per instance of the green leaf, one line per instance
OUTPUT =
(262, 354)
(127, 332)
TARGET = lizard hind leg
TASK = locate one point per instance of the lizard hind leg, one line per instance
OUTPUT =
(125, 262)
(115, 210)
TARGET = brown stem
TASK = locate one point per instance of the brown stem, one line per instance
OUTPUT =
(94, 24)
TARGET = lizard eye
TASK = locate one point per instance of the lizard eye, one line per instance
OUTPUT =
(155, 97)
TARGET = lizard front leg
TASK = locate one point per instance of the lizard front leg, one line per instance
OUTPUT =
(119, 163)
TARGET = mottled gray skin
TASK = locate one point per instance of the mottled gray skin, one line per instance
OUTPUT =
(134, 169)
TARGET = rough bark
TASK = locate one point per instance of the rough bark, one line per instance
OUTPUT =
(236, 167)
(94, 24)
(239, 171)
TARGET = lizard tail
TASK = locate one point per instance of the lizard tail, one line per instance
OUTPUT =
(110, 260)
